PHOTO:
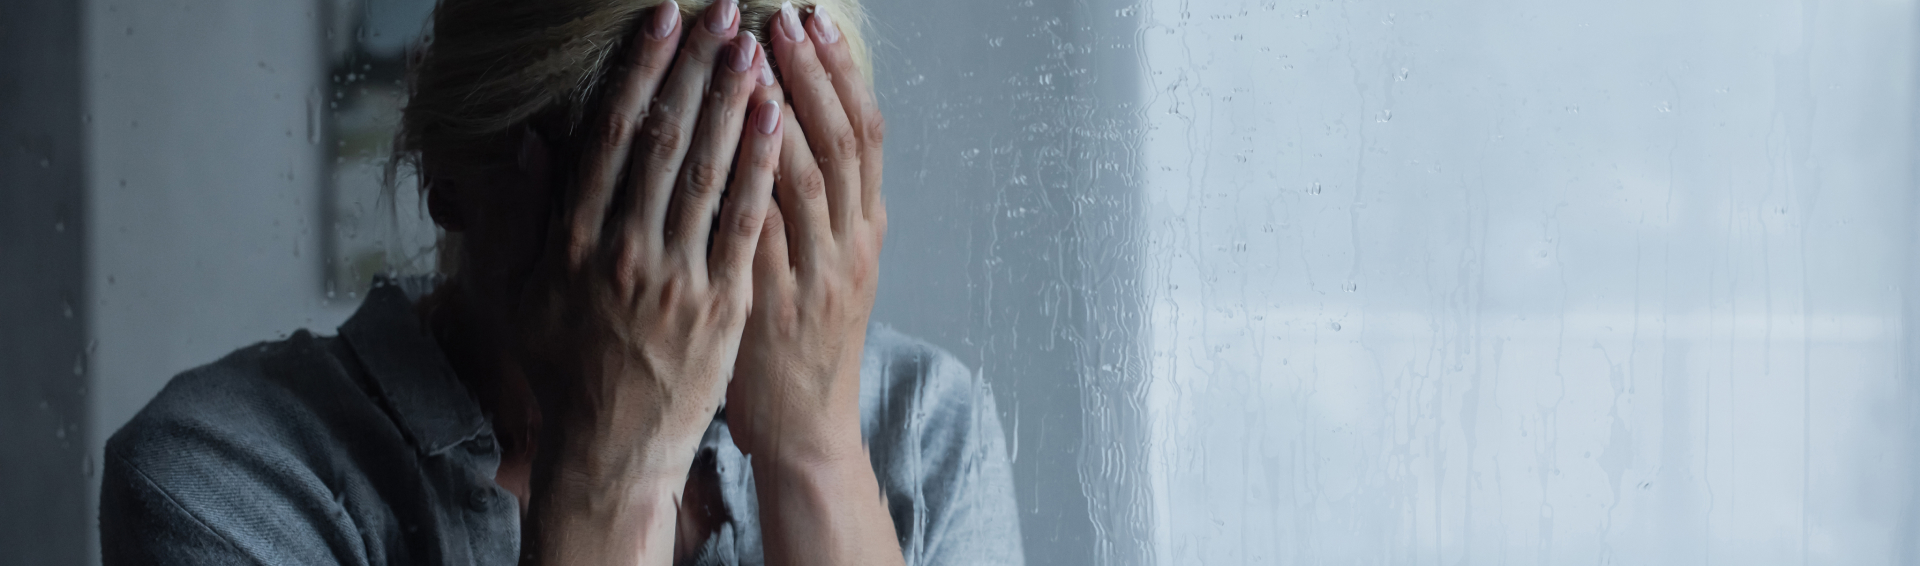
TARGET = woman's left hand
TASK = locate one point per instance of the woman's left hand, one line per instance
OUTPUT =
(795, 396)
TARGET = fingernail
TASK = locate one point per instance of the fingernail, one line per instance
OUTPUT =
(790, 23)
(721, 19)
(768, 117)
(766, 75)
(665, 18)
(823, 28)
(743, 48)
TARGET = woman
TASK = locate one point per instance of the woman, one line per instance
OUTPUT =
(650, 343)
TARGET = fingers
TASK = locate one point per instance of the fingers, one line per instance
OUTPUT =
(704, 174)
(817, 105)
(742, 223)
(803, 194)
(646, 64)
(666, 137)
(771, 268)
(856, 97)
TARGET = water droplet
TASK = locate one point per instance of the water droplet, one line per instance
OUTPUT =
(1402, 77)
(1334, 325)
(1350, 287)
(86, 466)
(1385, 116)
(66, 309)
(1315, 189)
(1665, 107)
(60, 227)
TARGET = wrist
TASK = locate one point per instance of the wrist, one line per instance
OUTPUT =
(809, 448)
(580, 521)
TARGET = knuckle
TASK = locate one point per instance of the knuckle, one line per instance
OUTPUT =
(616, 129)
(627, 270)
(844, 143)
(742, 224)
(673, 290)
(703, 177)
(630, 261)
(876, 130)
(773, 225)
(664, 139)
(728, 307)
(579, 253)
(811, 183)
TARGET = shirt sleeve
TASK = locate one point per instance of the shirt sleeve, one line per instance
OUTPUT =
(941, 453)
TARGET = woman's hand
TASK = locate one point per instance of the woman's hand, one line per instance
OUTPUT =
(633, 320)
(795, 399)
(796, 390)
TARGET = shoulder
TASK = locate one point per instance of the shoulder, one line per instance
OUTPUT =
(262, 397)
(934, 437)
(266, 391)
(905, 371)
(244, 455)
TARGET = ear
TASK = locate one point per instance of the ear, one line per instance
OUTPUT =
(443, 204)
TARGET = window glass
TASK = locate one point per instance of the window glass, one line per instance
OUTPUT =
(1250, 281)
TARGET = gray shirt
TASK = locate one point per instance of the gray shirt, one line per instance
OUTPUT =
(363, 448)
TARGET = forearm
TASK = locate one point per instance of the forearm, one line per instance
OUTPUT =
(610, 493)
(824, 511)
(630, 524)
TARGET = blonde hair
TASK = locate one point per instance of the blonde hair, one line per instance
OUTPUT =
(491, 67)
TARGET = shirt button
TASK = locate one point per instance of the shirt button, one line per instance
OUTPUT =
(478, 500)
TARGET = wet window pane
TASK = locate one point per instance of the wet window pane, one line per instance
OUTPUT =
(1251, 282)
(372, 226)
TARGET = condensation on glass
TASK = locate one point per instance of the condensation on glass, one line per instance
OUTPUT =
(1497, 283)
(372, 217)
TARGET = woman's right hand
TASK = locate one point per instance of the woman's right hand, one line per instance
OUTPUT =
(632, 320)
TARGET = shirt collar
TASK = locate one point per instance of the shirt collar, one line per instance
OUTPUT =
(431, 404)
